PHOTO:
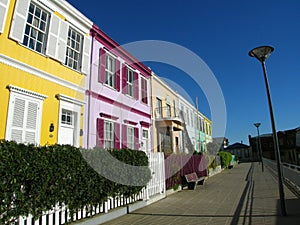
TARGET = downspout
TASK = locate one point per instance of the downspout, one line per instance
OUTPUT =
(89, 94)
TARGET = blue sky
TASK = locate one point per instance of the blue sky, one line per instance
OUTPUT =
(221, 33)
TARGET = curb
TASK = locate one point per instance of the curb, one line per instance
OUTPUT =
(118, 212)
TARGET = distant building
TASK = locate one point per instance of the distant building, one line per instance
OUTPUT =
(289, 145)
(222, 141)
(242, 151)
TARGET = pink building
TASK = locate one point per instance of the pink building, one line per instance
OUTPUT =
(117, 112)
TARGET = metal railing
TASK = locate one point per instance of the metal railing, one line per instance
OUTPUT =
(167, 113)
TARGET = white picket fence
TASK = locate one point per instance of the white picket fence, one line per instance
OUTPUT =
(60, 214)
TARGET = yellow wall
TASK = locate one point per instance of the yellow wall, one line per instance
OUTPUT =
(162, 91)
(16, 77)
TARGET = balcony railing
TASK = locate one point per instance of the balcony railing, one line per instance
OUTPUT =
(167, 113)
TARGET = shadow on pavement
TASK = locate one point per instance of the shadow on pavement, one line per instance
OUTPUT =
(293, 212)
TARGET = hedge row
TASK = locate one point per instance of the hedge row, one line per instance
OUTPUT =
(35, 179)
(225, 158)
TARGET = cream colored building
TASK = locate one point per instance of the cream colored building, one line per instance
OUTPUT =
(167, 124)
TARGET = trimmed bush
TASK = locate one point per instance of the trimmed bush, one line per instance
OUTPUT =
(225, 158)
(35, 179)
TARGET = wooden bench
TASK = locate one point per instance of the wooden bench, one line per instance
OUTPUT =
(191, 180)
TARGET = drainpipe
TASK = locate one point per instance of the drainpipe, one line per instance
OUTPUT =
(89, 95)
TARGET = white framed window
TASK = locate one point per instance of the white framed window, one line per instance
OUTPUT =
(109, 138)
(24, 116)
(74, 49)
(145, 140)
(130, 137)
(159, 107)
(144, 90)
(36, 29)
(130, 82)
(110, 71)
(67, 117)
(168, 108)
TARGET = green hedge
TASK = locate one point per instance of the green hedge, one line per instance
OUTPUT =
(35, 179)
(225, 158)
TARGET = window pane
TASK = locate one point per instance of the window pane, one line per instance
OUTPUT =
(36, 27)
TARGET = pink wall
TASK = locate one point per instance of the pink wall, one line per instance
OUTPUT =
(102, 100)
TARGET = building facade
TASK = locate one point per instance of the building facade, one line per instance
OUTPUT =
(167, 123)
(44, 60)
(118, 107)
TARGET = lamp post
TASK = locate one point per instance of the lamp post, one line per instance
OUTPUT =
(259, 146)
(262, 53)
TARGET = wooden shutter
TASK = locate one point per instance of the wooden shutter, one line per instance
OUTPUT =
(19, 20)
(24, 127)
(102, 65)
(100, 133)
(52, 43)
(124, 79)
(117, 75)
(3, 13)
(18, 117)
(62, 41)
(31, 122)
(117, 136)
(124, 136)
(136, 138)
(86, 55)
(136, 85)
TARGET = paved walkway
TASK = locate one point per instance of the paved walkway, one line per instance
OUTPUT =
(242, 195)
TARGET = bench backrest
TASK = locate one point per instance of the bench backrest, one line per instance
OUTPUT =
(191, 177)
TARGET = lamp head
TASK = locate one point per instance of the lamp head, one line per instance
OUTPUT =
(256, 124)
(261, 53)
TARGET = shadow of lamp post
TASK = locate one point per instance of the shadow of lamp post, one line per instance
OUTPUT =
(262, 53)
(259, 146)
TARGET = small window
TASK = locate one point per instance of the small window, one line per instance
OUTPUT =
(108, 134)
(35, 35)
(130, 137)
(110, 70)
(144, 90)
(67, 117)
(74, 49)
(130, 83)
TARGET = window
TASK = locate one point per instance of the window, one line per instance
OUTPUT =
(36, 29)
(146, 140)
(67, 117)
(168, 110)
(110, 70)
(130, 83)
(130, 137)
(74, 49)
(144, 90)
(159, 107)
(108, 134)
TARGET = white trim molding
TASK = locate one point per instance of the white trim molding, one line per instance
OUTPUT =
(41, 74)
(66, 98)
(23, 91)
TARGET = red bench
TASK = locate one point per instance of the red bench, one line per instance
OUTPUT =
(191, 180)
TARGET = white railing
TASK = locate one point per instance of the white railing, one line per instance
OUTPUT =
(60, 214)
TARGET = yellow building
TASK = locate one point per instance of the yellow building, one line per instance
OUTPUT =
(167, 124)
(44, 58)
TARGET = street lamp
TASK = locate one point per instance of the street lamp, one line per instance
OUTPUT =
(262, 53)
(259, 146)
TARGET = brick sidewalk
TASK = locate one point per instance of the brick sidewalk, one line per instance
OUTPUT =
(242, 195)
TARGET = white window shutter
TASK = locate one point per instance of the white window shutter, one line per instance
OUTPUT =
(52, 43)
(86, 55)
(31, 122)
(18, 120)
(62, 41)
(3, 13)
(19, 20)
